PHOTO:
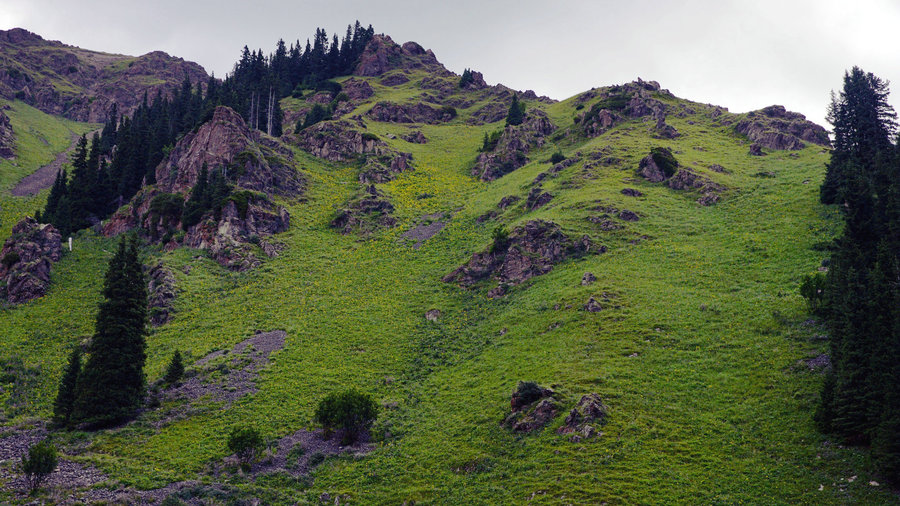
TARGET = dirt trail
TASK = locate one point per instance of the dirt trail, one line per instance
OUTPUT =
(44, 177)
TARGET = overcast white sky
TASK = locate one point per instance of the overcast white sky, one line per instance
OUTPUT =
(739, 54)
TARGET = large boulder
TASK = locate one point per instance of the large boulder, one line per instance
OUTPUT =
(26, 259)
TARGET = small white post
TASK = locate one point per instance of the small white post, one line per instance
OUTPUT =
(70, 244)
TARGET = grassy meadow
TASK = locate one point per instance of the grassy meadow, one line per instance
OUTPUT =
(698, 352)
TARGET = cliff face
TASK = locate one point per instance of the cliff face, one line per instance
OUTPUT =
(79, 84)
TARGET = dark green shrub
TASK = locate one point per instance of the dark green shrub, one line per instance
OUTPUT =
(527, 392)
(315, 115)
(665, 160)
(10, 259)
(247, 444)
(175, 370)
(341, 97)
(167, 205)
(316, 459)
(557, 157)
(368, 136)
(329, 86)
(466, 78)
(500, 237)
(490, 141)
(449, 111)
(38, 464)
(351, 412)
(812, 288)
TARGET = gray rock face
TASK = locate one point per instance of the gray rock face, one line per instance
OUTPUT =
(83, 85)
(26, 259)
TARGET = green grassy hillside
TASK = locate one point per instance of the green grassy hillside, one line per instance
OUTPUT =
(698, 354)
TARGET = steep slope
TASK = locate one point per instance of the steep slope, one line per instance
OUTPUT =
(695, 341)
(79, 84)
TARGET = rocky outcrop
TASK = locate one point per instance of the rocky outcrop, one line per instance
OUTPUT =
(775, 128)
(661, 166)
(254, 168)
(511, 151)
(381, 169)
(7, 138)
(415, 137)
(226, 142)
(26, 259)
(687, 179)
(387, 112)
(382, 55)
(365, 214)
(338, 141)
(530, 250)
(537, 198)
(658, 166)
(531, 407)
(160, 294)
(585, 416)
(357, 89)
(616, 103)
(229, 239)
(83, 85)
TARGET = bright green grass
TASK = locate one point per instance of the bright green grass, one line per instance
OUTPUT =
(39, 137)
(698, 364)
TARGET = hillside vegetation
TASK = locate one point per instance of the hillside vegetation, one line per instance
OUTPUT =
(700, 350)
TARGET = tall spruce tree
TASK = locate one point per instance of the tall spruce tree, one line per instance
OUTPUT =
(111, 386)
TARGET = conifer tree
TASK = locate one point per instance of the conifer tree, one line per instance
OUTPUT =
(65, 397)
(111, 386)
(175, 370)
(516, 113)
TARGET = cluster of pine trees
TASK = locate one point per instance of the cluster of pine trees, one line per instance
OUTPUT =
(125, 156)
(861, 300)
